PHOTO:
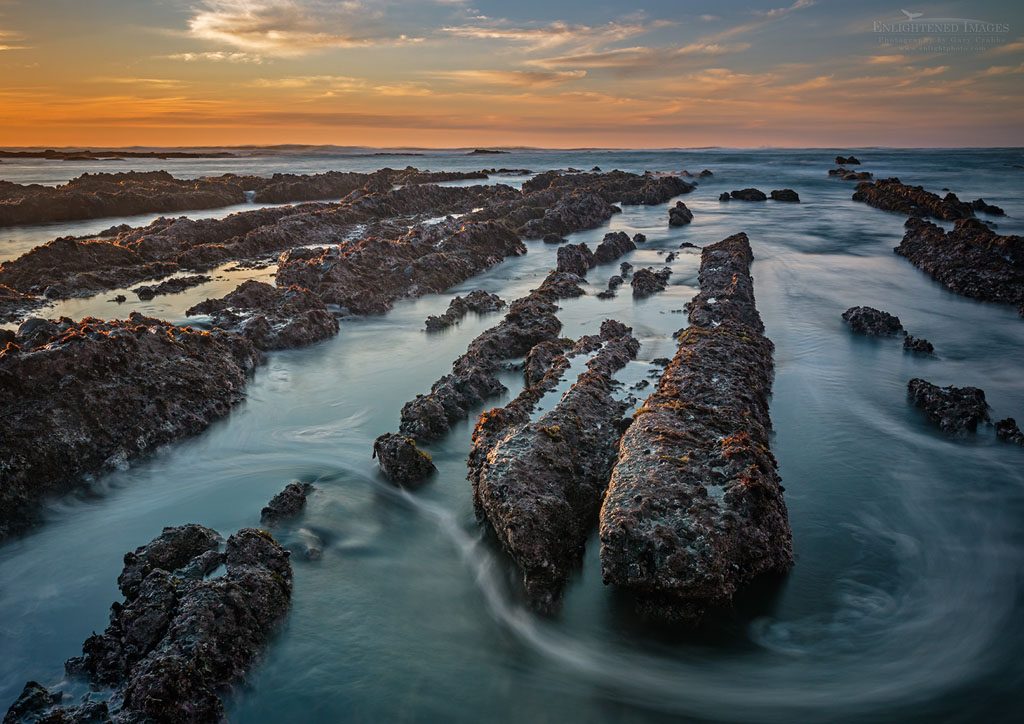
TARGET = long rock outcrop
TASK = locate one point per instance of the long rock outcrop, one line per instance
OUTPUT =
(85, 397)
(694, 511)
(539, 484)
(971, 260)
(891, 194)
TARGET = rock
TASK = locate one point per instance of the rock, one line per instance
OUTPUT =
(891, 194)
(847, 160)
(705, 173)
(871, 321)
(915, 344)
(670, 257)
(400, 460)
(286, 504)
(847, 175)
(485, 152)
(749, 195)
(1008, 431)
(576, 259)
(530, 321)
(625, 268)
(980, 205)
(80, 398)
(639, 238)
(788, 195)
(694, 511)
(271, 317)
(554, 239)
(606, 294)
(14, 305)
(179, 640)
(679, 215)
(172, 550)
(477, 301)
(120, 299)
(540, 357)
(954, 409)
(539, 484)
(174, 285)
(647, 281)
(614, 282)
(614, 245)
(615, 186)
(971, 260)
(724, 196)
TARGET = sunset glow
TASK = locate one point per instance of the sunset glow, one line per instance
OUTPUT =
(453, 73)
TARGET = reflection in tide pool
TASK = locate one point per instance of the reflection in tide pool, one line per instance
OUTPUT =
(905, 602)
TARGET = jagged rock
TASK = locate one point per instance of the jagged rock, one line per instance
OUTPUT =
(848, 160)
(172, 550)
(612, 246)
(272, 317)
(788, 195)
(679, 215)
(286, 504)
(647, 281)
(891, 194)
(477, 301)
(639, 238)
(705, 173)
(615, 186)
(955, 410)
(625, 269)
(554, 239)
(576, 259)
(848, 175)
(916, 344)
(724, 196)
(180, 639)
(539, 484)
(873, 322)
(84, 397)
(614, 282)
(694, 511)
(174, 285)
(670, 257)
(1008, 431)
(749, 195)
(980, 205)
(401, 461)
(971, 259)
(541, 355)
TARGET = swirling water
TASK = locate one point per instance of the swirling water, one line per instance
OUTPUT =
(906, 598)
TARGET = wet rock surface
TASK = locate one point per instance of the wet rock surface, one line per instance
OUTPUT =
(271, 317)
(918, 345)
(679, 215)
(971, 259)
(179, 640)
(1008, 431)
(171, 286)
(955, 410)
(847, 160)
(287, 504)
(575, 259)
(992, 209)
(847, 175)
(787, 195)
(85, 397)
(539, 484)
(648, 281)
(872, 322)
(748, 195)
(478, 301)
(401, 461)
(612, 246)
(891, 194)
(694, 511)
(530, 321)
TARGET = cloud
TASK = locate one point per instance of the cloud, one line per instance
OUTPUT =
(558, 33)
(1017, 46)
(10, 40)
(218, 56)
(291, 27)
(776, 12)
(518, 78)
(163, 83)
(887, 59)
(640, 58)
(328, 86)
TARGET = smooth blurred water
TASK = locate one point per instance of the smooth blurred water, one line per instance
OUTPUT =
(905, 603)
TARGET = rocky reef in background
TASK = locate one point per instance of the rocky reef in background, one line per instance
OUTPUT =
(694, 511)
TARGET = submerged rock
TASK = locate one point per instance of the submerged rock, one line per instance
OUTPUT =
(981, 205)
(872, 322)
(749, 195)
(82, 398)
(848, 175)
(694, 511)
(916, 344)
(724, 196)
(179, 640)
(954, 410)
(401, 461)
(539, 484)
(1008, 431)
(788, 195)
(647, 281)
(286, 504)
(174, 285)
(891, 194)
(679, 215)
(971, 260)
(477, 301)
(272, 317)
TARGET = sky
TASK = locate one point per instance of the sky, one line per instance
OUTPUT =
(454, 73)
